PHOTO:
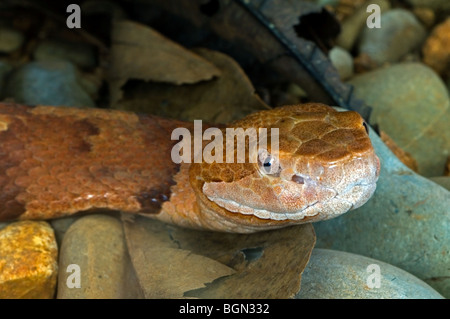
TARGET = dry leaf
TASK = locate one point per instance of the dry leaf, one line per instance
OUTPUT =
(267, 264)
(287, 37)
(164, 270)
(221, 100)
(139, 52)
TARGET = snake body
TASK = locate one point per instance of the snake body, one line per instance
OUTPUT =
(57, 161)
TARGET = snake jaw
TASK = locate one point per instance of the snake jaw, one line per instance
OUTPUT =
(317, 192)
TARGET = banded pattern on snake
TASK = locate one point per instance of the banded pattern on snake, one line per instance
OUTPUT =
(57, 161)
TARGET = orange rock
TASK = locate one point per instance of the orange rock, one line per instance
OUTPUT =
(436, 50)
(28, 260)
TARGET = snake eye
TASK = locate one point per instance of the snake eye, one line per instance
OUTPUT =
(366, 127)
(268, 164)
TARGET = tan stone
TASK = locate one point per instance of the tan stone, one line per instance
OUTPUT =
(436, 50)
(28, 261)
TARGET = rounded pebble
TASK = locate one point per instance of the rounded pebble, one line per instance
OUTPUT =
(342, 61)
(340, 275)
(47, 83)
(352, 26)
(436, 50)
(399, 34)
(411, 104)
(406, 223)
(28, 261)
(95, 245)
(10, 40)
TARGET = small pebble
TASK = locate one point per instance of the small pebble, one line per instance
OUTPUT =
(436, 50)
(426, 16)
(10, 40)
(411, 104)
(342, 61)
(47, 83)
(95, 244)
(28, 261)
(334, 274)
(399, 34)
(351, 27)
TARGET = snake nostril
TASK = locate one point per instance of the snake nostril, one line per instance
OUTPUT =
(298, 179)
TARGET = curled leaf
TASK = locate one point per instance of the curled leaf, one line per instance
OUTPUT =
(139, 52)
(176, 262)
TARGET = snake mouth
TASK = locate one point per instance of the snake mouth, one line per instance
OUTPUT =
(351, 198)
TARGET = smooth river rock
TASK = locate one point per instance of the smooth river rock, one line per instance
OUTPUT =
(95, 245)
(342, 61)
(353, 25)
(399, 34)
(332, 274)
(406, 223)
(47, 83)
(10, 40)
(28, 261)
(411, 104)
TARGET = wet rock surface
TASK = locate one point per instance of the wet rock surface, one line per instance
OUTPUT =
(405, 224)
(333, 274)
(95, 245)
(411, 104)
(47, 83)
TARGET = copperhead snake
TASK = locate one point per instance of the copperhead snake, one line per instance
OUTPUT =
(57, 161)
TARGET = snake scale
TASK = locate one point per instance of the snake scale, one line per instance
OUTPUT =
(57, 161)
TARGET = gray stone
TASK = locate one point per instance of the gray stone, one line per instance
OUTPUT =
(10, 40)
(352, 26)
(80, 54)
(411, 104)
(406, 223)
(334, 274)
(96, 244)
(444, 181)
(399, 34)
(47, 83)
(342, 61)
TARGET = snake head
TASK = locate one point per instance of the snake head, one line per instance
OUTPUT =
(323, 166)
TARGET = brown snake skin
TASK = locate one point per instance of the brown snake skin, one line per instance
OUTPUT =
(56, 161)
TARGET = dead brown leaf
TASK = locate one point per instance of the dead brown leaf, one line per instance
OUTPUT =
(266, 264)
(139, 52)
(163, 269)
(221, 100)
